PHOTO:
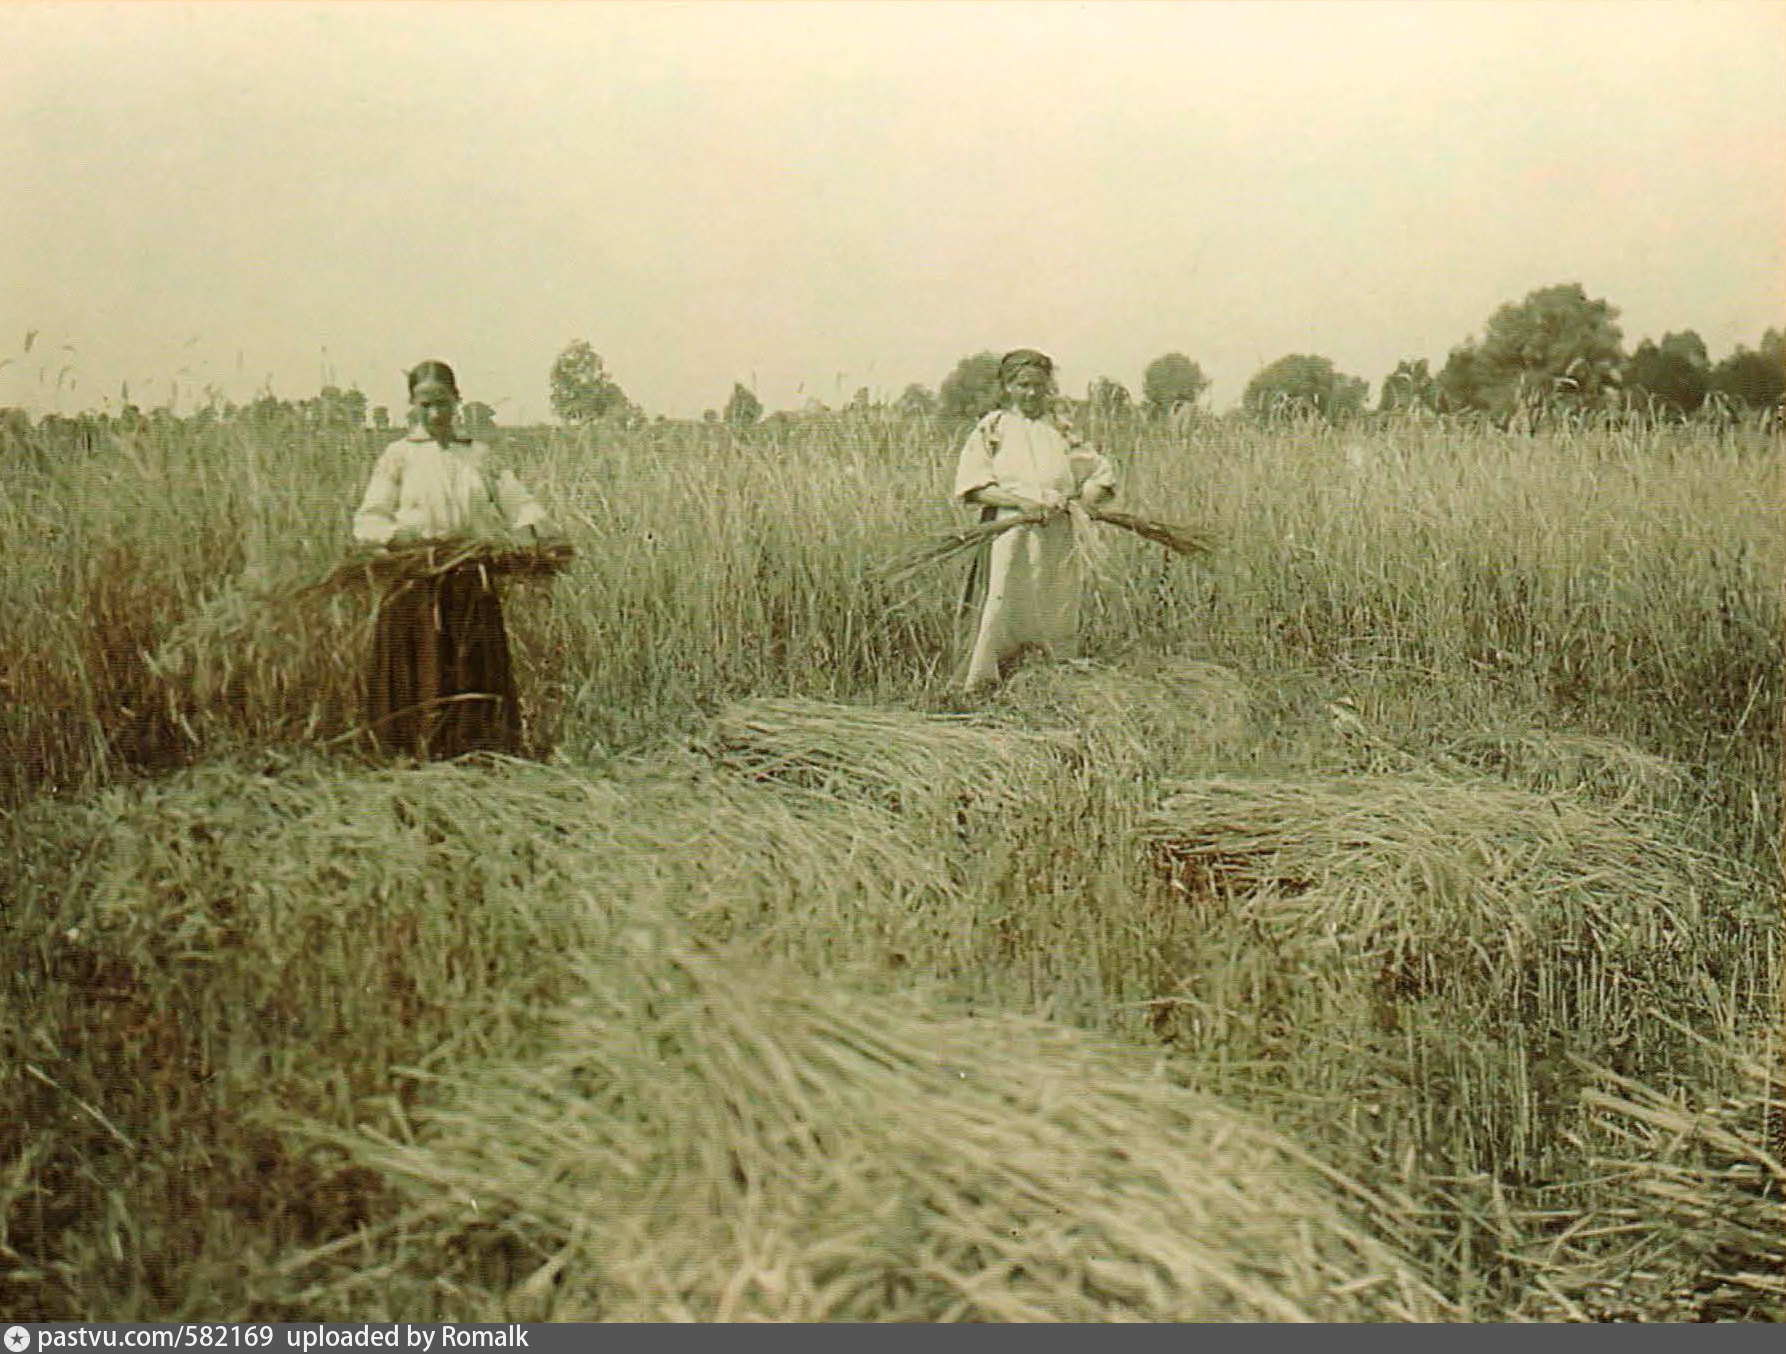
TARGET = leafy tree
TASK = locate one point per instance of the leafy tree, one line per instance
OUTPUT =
(1675, 374)
(918, 401)
(335, 408)
(1754, 377)
(1556, 345)
(1462, 379)
(15, 428)
(582, 390)
(267, 411)
(1410, 386)
(1170, 380)
(381, 417)
(743, 408)
(1305, 383)
(972, 389)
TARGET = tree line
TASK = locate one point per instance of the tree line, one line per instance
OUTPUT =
(1557, 350)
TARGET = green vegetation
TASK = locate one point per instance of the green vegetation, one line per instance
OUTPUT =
(582, 389)
(1383, 921)
(1171, 380)
(1301, 385)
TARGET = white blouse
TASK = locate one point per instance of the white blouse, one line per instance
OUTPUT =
(420, 486)
(1027, 457)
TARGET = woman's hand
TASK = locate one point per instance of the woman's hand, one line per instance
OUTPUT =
(994, 497)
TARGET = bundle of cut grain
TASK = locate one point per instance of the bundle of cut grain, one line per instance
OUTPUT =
(703, 1140)
(1139, 717)
(1432, 882)
(377, 570)
(282, 656)
(1546, 759)
(198, 961)
(945, 546)
(354, 920)
(905, 760)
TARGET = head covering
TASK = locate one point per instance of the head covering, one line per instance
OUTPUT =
(1019, 358)
(432, 372)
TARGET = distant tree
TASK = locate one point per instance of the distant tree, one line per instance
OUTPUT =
(582, 390)
(862, 401)
(335, 408)
(1556, 346)
(1307, 384)
(743, 408)
(381, 418)
(15, 428)
(1170, 380)
(917, 401)
(1673, 375)
(353, 407)
(266, 411)
(1410, 386)
(972, 388)
(1753, 378)
(1463, 380)
(479, 419)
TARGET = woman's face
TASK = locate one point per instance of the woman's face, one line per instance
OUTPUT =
(435, 406)
(1027, 391)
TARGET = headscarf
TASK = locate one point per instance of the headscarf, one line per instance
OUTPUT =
(1019, 358)
(432, 372)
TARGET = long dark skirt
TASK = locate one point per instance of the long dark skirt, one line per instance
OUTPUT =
(440, 682)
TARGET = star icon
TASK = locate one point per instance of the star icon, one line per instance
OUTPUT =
(18, 1339)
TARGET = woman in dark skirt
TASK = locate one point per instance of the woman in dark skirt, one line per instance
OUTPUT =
(440, 682)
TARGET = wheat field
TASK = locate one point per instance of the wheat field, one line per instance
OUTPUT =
(1381, 921)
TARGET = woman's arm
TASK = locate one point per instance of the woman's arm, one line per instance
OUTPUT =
(376, 521)
(992, 496)
(519, 506)
(1098, 485)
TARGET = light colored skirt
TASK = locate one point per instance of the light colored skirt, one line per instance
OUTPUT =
(1022, 597)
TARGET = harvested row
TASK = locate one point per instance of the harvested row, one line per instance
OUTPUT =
(295, 898)
(1430, 877)
(939, 769)
(1114, 728)
(251, 942)
(1546, 759)
(1438, 951)
(1140, 719)
(707, 1140)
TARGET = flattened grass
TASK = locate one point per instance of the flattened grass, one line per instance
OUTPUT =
(703, 1140)
(1428, 871)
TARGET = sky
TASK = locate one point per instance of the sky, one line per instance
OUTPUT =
(812, 197)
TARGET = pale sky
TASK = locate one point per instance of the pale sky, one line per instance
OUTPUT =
(817, 196)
